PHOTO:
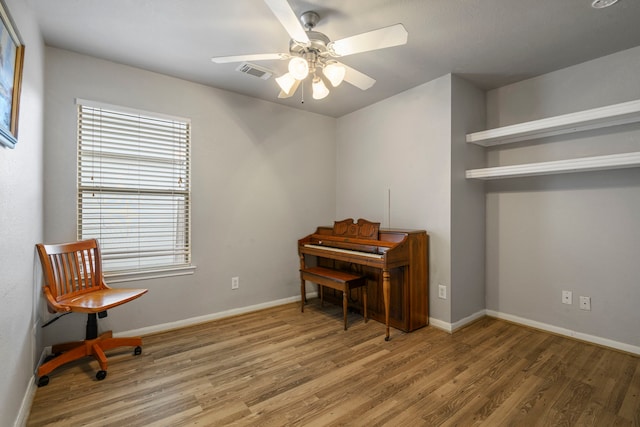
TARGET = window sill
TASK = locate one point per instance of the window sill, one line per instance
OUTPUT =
(159, 273)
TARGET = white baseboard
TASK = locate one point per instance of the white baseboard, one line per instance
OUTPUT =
(45, 352)
(605, 342)
(452, 327)
(440, 324)
(163, 327)
(25, 407)
(27, 400)
(468, 320)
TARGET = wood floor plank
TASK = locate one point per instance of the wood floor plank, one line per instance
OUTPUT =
(282, 367)
(630, 408)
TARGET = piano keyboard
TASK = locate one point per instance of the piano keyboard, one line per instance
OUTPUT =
(346, 251)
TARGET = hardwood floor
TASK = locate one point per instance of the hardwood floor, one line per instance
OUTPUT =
(280, 367)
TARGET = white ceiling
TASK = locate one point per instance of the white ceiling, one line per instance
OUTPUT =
(489, 42)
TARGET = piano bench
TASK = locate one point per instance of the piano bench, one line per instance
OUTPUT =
(335, 279)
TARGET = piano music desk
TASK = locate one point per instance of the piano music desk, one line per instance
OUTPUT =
(334, 279)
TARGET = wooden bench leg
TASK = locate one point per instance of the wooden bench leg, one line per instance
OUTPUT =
(345, 297)
(303, 294)
(334, 279)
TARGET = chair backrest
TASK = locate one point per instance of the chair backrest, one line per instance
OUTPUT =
(71, 269)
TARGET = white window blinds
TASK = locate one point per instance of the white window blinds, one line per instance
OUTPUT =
(134, 187)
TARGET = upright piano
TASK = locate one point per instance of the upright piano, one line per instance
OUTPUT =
(395, 263)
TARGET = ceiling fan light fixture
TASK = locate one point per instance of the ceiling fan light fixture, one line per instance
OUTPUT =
(291, 91)
(311, 52)
(286, 82)
(319, 89)
(299, 68)
(335, 73)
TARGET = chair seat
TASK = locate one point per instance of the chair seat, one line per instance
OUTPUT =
(101, 300)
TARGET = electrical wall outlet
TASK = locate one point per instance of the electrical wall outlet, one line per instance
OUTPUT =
(235, 282)
(442, 291)
(585, 303)
(566, 297)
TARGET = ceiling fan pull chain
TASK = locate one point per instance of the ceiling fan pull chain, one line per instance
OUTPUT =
(302, 92)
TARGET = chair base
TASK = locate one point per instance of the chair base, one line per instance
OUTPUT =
(96, 347)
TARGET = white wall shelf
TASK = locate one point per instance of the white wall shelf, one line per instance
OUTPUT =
(611, 115)
(612, 161)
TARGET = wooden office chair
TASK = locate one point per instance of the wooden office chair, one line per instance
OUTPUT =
(73, 282)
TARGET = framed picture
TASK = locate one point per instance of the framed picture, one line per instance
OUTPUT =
(11, 58)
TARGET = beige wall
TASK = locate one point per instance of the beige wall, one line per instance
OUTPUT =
(413, 144)
(402, 144)
(263, 177)
(21, 229)
(577, 232)
(467, 291)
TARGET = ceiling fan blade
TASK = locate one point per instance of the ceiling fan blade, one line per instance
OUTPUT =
(288, 19)
(289, 94)
(358, 79)
(394, 35)
(255, 57)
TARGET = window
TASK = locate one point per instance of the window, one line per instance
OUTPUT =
(134, 187)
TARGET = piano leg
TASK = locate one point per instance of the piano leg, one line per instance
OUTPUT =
(386, 290)
(364, 298)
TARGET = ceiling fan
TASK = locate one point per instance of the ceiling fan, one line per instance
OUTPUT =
(312, 53)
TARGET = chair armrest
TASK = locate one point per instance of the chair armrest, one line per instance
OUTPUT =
(52, 304)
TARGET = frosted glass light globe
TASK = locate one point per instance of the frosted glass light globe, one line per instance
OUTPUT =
(319, 89)
(334, 73)
(299, 68)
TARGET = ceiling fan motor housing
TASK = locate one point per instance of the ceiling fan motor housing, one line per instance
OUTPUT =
(317, 42)
(314, 52)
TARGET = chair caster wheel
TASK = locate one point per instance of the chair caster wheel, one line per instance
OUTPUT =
(137, 351)
(100, 375)
(43, 381)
